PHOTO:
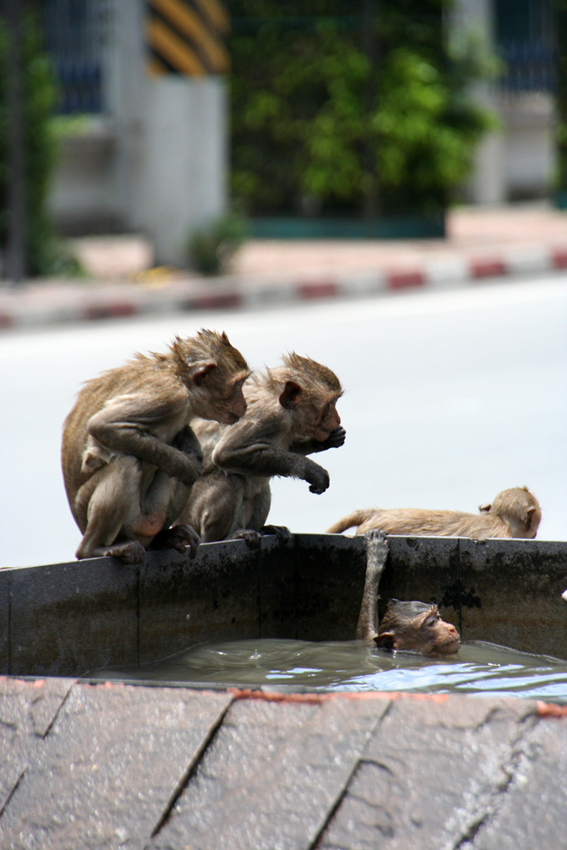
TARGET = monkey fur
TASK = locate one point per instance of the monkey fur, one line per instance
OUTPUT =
(513, 513)
(128, 455)
(410, 626)
(291, 413)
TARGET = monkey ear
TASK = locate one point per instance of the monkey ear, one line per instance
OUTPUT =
(385, 640)
(484, 509)
(291, 395)
(528, 518)
(200, 371)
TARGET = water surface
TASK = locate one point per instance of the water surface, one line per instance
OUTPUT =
(478, 667)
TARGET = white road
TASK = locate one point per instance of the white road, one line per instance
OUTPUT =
(449, 398)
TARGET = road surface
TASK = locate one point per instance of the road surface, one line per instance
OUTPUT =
(449, 398)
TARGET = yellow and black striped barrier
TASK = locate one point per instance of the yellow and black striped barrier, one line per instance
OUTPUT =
(186, 37)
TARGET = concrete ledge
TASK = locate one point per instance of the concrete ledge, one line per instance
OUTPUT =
(65, 619)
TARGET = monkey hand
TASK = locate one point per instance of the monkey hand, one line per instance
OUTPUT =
(376, 548)
(335, 439)
(318, 479)
(186, 441)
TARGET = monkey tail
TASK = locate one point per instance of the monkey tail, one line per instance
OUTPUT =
(356, 518)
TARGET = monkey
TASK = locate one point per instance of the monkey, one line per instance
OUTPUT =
(291, 413)
(411, 626)
(513, 513)
(129, 456)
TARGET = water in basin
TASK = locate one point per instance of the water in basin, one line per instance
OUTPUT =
(283, 665)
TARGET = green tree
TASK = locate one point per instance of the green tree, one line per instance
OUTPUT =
(319, 118)
(39, 153)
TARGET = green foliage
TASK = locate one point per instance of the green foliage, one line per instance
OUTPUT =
(44, 255)
(318, 122)
(211, 249)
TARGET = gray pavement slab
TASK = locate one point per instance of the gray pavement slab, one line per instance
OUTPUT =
(110, 767)
(432, 772)
(532, 813)
(272, 776)
(27, 712)
(118, 766)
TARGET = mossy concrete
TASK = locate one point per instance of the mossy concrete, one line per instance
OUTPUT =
(67, 619)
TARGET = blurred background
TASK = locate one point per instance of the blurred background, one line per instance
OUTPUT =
(147, 144)
(177, 119)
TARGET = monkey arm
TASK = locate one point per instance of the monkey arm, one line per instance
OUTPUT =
(237, 452)
(376, 555)
(309, 446)
(127, 424)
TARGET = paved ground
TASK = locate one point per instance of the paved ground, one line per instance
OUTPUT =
(481, 243)
(118, 766)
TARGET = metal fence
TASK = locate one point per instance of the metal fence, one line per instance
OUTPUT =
(76, 34)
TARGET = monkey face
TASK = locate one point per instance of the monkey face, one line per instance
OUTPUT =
(329, 420)
(222, 403)
(234, 407)
(417, 627)
(437, 636)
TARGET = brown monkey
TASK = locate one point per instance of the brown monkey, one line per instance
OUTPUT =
(411, 626)
(291, 413)
(513, 513)
(129, 456)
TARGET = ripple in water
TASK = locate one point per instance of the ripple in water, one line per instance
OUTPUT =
(478, 667)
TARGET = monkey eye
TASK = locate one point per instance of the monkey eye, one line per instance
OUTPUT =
(432, 620)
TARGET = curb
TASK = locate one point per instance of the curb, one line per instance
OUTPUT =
(84, 303)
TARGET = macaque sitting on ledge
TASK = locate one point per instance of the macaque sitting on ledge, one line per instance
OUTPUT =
(513, 513)
(411, 626)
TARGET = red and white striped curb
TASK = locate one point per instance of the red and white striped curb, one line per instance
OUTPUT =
(31, 304)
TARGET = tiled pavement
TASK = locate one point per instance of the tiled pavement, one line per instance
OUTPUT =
(120, 766)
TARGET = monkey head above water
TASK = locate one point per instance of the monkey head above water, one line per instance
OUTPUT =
(513, 513)
(410, 626)
(129, 455)
(416, 627)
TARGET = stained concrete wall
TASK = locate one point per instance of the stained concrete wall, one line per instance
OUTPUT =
(66, 619)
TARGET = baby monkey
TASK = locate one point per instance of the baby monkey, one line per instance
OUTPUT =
(411, 626)
(513, 513)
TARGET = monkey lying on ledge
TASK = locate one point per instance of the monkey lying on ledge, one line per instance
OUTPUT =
(411, 626)
(513, 513)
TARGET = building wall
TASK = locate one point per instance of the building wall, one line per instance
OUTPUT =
(155, 159)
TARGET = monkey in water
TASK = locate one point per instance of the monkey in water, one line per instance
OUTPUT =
(129, 457)
(513, 513)
(411, 626)
(291, 413)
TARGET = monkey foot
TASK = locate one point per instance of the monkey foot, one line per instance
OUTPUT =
(179, 538)
(131, 552)
(281, 531)
(251, 537)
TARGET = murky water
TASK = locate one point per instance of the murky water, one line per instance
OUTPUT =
(478, 667)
